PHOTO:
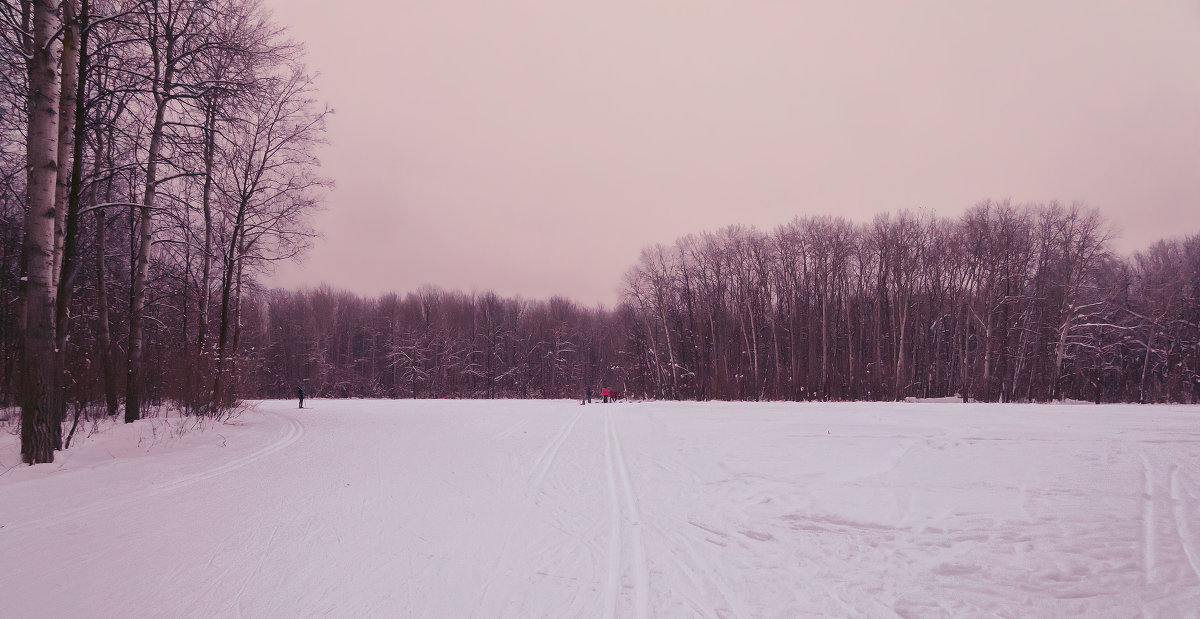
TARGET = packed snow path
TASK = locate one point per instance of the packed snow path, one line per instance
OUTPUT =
(552, 509)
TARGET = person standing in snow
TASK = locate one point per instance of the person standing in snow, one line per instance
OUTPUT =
(589, 395)
(300, 394)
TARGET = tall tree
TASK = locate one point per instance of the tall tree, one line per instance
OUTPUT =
(270, 186)
(38, 387)
(177, 34)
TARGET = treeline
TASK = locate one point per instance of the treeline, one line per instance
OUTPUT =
(156, 155)
(1005, 303)
(428, 344)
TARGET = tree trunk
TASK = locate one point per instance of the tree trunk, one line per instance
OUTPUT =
(1060, 354)
(662, 312)
(66, 130)
(748, 349)
(852, 392)
(68, 85)
(777, 362)
(141, 276)
(237, 323)
(966, 344)
(206, 202)
(103, 338)
(218, 398)
(37, 389)
(902, 326)
(77, 33)
(1145, 368)
(987, 356)
(195, 355)
(824, 343)
(715, 353)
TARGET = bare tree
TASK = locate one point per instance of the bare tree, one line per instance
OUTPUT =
(271, 186)
(38, 387)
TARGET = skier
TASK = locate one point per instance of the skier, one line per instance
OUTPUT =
(589, 395)
(300, 394)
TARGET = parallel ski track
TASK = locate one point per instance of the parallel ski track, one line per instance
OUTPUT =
(292, 433)
(545, 459)
(541, 466)
(613, 588)
(617, 471)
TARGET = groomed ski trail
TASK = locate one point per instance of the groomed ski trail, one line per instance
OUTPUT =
(293, 431)
(617, 472)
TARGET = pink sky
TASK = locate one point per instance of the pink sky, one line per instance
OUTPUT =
(534, 147)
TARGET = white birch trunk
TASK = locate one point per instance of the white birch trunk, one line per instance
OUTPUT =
(37, 389)
(66, 132)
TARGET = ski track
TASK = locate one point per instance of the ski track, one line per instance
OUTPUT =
(513, 429)
(616, 474)
(641, 573)
(583, 553)
(697, 602)
(1148, 533)
(701, 576)
(1181, 523)
(541, 467)
(292, 433)
(613, 587)
(546, 458)
(240, 598)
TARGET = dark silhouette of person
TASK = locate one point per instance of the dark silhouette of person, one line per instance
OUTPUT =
(300, 394)
(589, 395)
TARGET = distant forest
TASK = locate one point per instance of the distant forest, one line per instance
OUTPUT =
(1005, 303)
(157, 157)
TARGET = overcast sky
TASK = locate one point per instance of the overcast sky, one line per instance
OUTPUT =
(534, 148)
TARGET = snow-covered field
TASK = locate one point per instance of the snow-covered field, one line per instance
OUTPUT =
(551, 509)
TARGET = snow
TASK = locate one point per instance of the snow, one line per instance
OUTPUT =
(552, 509)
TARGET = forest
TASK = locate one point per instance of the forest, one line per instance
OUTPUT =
(157, 157)
(1004, 303)
(156, 154)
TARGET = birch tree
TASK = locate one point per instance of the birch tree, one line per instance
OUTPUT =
(38, 387)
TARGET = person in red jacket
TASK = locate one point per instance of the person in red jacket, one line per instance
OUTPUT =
(606, 393)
